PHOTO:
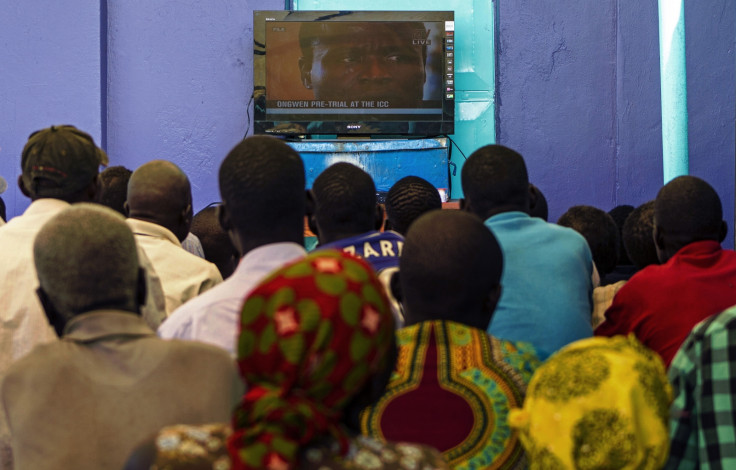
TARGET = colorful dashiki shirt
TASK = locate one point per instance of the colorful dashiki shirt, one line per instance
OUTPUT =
(452, 389)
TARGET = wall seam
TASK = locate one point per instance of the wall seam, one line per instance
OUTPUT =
(103, 73)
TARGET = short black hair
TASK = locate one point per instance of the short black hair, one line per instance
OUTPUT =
(689, 208)
(495, 175)
(449, 265)
(216, 244)
(114, 187)
(638, 237)
(409, 198)
(620, 214)
(599, 230)
(345, 199)
(262, 183)
(538, 203)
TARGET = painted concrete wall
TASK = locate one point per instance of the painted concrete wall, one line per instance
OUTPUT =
(180, 77)
(578, 89)
(49, 74)
(578, 86)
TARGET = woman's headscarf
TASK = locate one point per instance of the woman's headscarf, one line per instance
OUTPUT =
(598, 403)
(311, 335)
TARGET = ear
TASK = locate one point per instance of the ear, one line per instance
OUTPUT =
(464, 205)
(56, 320)
(395, 286)
(223, 217)
(305, 72)
(23, 188)
(94, 188)
(532, 197)
(310, 204)
(126, 208)
(186, 216)
(379, 216)
(494, 295)
(723, 232)
(141, 292)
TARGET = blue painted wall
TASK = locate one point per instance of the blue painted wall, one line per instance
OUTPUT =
(577, 89)
(579, 97)
(49, 74)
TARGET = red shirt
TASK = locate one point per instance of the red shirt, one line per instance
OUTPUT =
(661, 304)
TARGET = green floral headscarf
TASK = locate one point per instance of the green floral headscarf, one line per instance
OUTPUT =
(311, 335)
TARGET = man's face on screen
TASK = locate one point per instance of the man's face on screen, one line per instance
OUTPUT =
(356, 62)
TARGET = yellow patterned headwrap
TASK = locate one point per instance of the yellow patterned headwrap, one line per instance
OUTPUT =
(598, 403)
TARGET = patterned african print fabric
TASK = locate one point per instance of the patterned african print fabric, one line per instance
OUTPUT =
(311, 335)
(598, 403)
(452, 389)
(203, 448)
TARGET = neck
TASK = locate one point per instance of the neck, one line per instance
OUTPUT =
(329, 237)
(504, 208)
(249, 240)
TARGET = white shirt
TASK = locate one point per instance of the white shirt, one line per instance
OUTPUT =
(214, 317)
(23, 323)
(182, 274)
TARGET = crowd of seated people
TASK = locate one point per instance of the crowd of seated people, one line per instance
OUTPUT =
(137, 335)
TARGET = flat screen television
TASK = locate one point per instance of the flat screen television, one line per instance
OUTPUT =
(377, 73)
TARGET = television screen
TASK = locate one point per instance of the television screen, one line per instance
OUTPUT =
(354, 72)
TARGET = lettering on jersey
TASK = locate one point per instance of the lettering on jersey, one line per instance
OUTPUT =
(387, 249)
(368, 250)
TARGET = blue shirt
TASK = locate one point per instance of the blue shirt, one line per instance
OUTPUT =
(380, 249)
(546, 285)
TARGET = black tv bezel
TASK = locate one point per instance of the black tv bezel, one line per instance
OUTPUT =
(382, 128)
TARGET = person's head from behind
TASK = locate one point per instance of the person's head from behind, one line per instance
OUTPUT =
(599, 230)
(450, 269)
(686, 210)
(114, 188)
(159, 192)
(216, 244)
(537, 203)
(619, 215)
(343, 199)
(61, 162)
(262, 188)
(495, 180)
(409, 198)
(86, 259)
(361, 61)
(638, 236)
(313, 335)
(597, 403)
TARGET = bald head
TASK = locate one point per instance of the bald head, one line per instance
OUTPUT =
(686, 210)
(159, 192)
(450, 269)
(86, 259)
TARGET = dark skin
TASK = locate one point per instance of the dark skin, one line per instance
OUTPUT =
(417, 311)
(252, 236)
(59, 320)
(86, 194)
(160, 193)
(668, 244)
(355, 62)
(328, 236)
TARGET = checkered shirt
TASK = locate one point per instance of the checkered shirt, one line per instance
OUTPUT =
(703, 414)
